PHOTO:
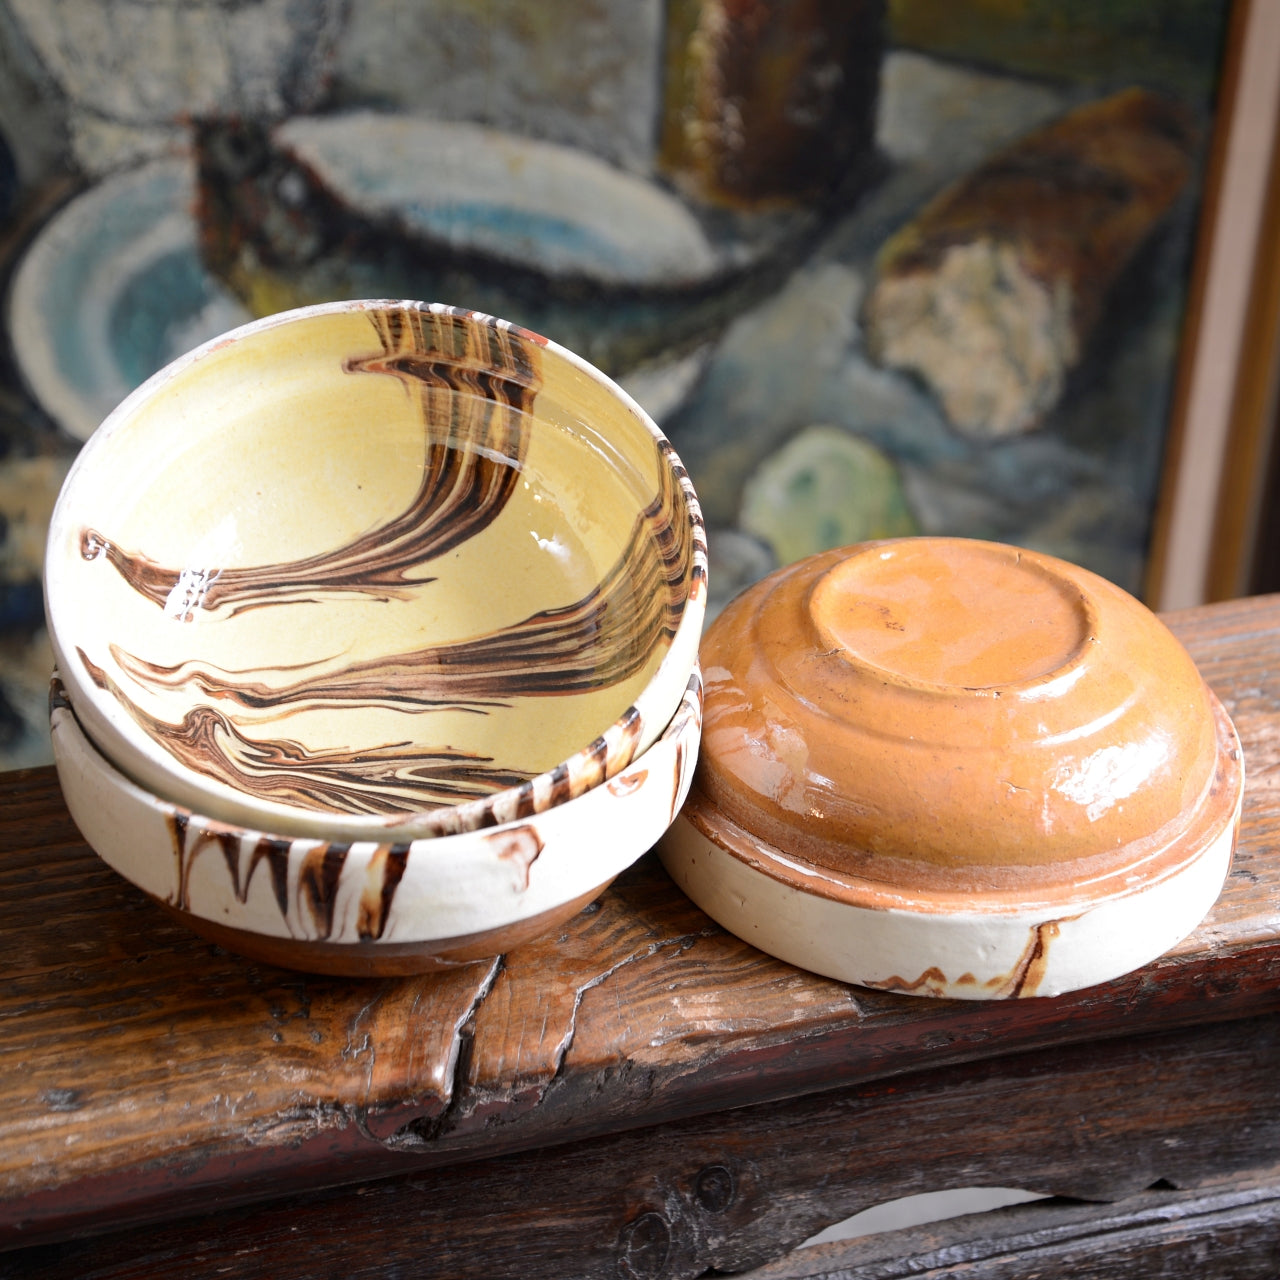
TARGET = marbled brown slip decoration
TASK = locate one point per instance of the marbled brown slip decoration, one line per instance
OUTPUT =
(383, 903)
(594, 643)
(317, 878)
(377, 780)
(474, 384)
(377, 570)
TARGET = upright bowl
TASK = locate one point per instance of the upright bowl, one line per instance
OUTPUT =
(375, 571)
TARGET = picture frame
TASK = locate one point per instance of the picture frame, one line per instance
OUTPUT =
(1212, 511)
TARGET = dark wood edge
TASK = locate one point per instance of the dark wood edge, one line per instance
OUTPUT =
(1186, 1229)
(736, 1189)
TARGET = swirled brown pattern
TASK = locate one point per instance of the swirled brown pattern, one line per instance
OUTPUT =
(596, 642)
(473, 383)
(375, 780)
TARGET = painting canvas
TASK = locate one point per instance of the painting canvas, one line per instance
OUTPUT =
(877, 268)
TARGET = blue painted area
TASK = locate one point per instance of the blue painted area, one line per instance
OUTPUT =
(21, 607)
(173, 288)
(85, 272)
(521, 234)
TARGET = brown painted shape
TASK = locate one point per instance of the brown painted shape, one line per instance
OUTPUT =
(474, 382)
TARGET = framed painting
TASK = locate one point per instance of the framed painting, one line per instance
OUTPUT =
(877, 267)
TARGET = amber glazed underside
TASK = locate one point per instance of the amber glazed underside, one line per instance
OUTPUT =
(928, 763)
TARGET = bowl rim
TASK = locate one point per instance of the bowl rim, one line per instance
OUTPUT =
(615, 746)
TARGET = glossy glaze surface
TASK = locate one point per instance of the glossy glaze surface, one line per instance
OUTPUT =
(965, 945)
(376, 569)
(946, 714)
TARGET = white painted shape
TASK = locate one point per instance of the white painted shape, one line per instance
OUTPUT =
(520, 199)
(941, 114)
(876, 947)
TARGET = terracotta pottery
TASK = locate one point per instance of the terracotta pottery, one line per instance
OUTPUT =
(375, 571)
(375, 907)
(955, 768)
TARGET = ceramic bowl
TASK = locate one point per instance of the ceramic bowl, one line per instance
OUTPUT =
(955, 768)
(367, 908)
(375, 571)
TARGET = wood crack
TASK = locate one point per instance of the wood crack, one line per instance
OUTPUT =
(566, 1041)
(409, 1133)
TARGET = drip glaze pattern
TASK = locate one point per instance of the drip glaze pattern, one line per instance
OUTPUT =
(375, 907)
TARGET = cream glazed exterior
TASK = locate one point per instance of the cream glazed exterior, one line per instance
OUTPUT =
(955, 768)
(368, 908)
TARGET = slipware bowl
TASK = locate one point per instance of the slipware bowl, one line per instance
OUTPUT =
(375, 908)
(374, 571)
(956, 768)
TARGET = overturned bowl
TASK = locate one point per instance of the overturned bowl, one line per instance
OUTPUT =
(370, 908)
(956, 768)
(375, 571)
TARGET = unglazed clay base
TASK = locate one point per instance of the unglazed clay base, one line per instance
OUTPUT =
(375, 570)
(955, 768)
(370, 907)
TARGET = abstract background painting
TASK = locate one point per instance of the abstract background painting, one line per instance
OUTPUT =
(875, 268)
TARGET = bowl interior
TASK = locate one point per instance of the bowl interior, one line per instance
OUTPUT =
(364, 561)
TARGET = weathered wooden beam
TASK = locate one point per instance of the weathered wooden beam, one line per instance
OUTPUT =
(736, 1189)
(1228, 1230)
(145, 1074)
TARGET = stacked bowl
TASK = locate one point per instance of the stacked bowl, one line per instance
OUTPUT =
(376, 627)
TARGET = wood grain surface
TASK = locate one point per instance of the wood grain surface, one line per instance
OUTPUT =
(145, 1074)
(734, 1189)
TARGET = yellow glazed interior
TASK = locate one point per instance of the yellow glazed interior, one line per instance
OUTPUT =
(365, 563)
